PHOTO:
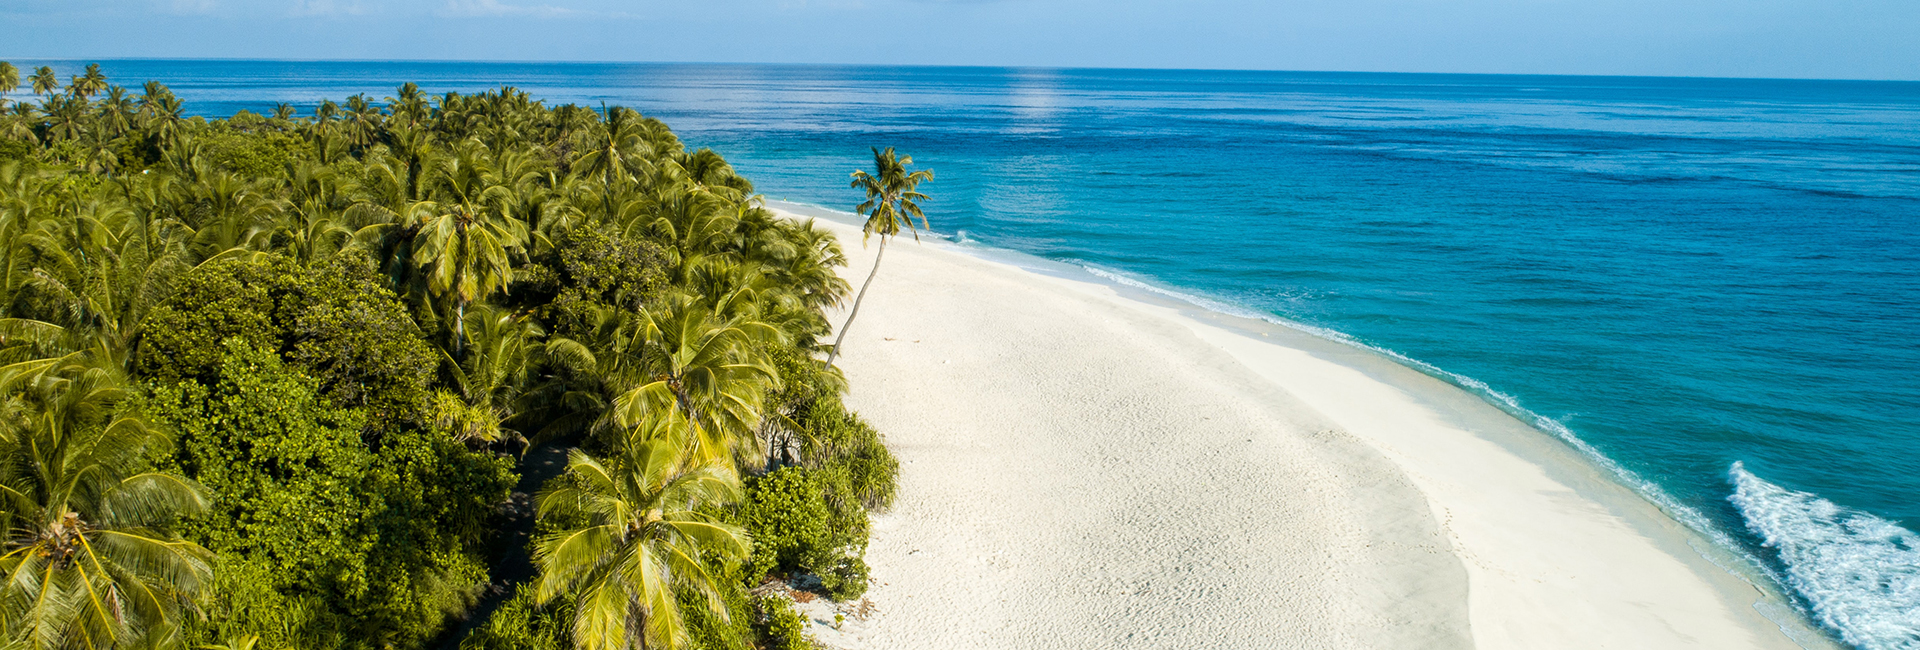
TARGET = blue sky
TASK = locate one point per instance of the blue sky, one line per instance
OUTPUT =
(1858, 39)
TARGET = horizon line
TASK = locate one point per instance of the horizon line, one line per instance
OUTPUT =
(955, 66)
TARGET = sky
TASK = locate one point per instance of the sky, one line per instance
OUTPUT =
(1847, 39)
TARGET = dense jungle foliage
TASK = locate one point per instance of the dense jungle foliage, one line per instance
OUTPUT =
(271, 381)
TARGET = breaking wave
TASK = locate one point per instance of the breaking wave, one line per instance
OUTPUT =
(1859, 573)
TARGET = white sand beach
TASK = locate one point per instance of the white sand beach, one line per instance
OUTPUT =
(1081, 467)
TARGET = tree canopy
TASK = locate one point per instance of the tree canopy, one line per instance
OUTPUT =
(267, 381)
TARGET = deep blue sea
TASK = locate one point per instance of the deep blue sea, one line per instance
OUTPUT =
(1713, 283)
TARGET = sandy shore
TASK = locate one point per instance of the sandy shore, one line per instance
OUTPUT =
(1085, 467)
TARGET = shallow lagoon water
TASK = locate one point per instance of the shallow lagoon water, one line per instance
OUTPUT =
(1713, 285)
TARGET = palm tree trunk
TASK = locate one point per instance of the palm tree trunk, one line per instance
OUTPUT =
(835, 354)
(459, 327)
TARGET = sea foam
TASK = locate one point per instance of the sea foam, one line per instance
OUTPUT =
(1859, 573)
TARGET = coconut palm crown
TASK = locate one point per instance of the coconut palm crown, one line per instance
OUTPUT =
(89, 561)
(644, 539)
(9, 78)
(44, 81)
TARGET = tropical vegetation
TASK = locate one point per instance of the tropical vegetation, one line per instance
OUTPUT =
(419, 371)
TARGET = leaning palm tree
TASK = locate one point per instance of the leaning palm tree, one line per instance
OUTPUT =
(892, 203)
(646, 539)
(88, 559)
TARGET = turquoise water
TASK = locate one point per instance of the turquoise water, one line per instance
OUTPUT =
(1712, 284)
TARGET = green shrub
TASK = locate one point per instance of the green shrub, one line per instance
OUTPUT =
(253, 155)
(844, 456)
(857, 468)
(856, 473)
(181, 337)
(795, 531)
(847, 577)
(787, 517)
(321, 541)
(784, 628)
(333, 320)
(590, 267)
(287, 521)
(522, 624)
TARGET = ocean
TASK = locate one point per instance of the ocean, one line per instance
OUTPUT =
(1710, 285)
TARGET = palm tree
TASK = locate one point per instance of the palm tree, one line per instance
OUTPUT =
(95, 272)
(19, 122)
(116, 111)
(153, 90)
(798, 261)
(619, 153)
(671, 358)
(646, 539)
(708, 369)
(87, 85)
(363, 121)
(690, 223)
(66, 116)
(9, 80)
(313, 223)
(410, 107)
(224, 209)
(494, 376)
(101, 157)
(892, 203)
(413, 148)
(160, 112)
(89, 560)
(325, 113)
(707, 170)
(467, 236)
(149, 102)
(569, 119)
(44, 81)
(801, 257)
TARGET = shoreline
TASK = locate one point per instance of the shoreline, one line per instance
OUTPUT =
(1751, 599)
(1553, 552)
